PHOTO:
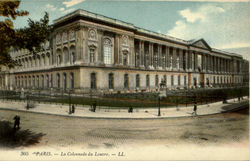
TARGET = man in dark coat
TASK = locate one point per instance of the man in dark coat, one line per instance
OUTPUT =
(17, 122)
(195, 109)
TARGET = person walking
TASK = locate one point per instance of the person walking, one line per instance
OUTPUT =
(73, 109)
(195, 109)
(16, 122)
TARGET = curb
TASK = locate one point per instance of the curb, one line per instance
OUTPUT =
(241, 106)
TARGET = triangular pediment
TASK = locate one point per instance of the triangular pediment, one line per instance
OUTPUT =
(201, 43)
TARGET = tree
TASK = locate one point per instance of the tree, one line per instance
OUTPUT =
(31, 37)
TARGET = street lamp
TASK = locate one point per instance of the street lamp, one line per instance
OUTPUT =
(159, 105)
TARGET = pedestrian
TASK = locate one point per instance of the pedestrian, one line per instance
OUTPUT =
(73, 108)
(16, 122)
(94, 106)
(195, 109)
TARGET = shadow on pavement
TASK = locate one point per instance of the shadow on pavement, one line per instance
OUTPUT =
(11, 138)
(243, 109)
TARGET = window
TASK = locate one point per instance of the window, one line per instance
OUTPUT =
(165, 80)
(155, 60)
(58, 80)
(163, 60)
(47, 80)
(185, 80)
(177, 59)
(137, 84)
(156, 81)
(126, 79)
(51, 80)
(195, 81)
(92, 55)
(37, 81)
(59, 59)
(179, 80)
(42, 81)
(29, 81)
(73, 58)
(172, 80)
(93, 81)
(125, 59)
(72, 80)
(111, 81)
(147, 81)
(107, 51)
(184, 60)
(64, 81)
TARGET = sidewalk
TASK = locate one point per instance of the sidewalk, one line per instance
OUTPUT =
(142, 113)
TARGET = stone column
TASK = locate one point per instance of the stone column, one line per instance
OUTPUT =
(174, 59)
(167, 58)
(142, 54)
(159, 55)
(150, 55)
(186, 60)
(116, 49)
(181, 59)
(195, 61)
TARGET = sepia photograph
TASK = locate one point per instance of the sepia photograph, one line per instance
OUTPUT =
(124, 80)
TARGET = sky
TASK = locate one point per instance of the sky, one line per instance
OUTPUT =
(223, 25)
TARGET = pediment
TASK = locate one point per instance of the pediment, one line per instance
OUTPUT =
(201, 44)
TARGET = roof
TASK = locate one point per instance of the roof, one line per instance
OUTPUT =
(84, 13)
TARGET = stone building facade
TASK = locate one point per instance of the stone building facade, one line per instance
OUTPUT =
(90, 52)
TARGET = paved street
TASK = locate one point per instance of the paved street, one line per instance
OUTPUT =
(60, 131)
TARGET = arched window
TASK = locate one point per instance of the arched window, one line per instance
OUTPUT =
(66, 55)
(25, 81)
(47, 81)
(58, 80)
(137, 84)
(126, 81)
(42, 81)
(37, 81)
(34, 81)
(107, 51)
(93, 81)
(29, 81)
(111, 81)
(51, 80)
(72, 80)
(147, 81)
(64, 81)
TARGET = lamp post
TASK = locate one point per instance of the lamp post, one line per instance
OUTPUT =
(159, 105)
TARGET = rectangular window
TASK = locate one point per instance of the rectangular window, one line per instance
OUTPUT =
(179, 80)
(72, 80)
(147, 81)
(172, 80)
(185, 80)
(92, 55)
(111, 81)
(107, 54)
(93, 81)
(156, 81)
(126, 81)
(137, 81)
